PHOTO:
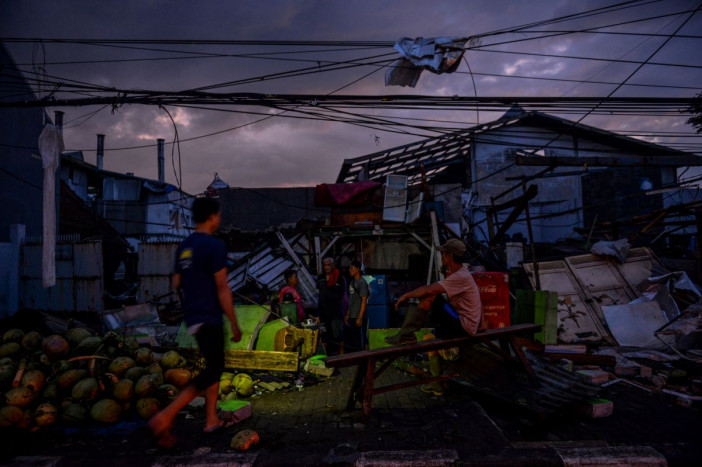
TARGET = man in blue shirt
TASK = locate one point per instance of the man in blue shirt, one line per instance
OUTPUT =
(201, 280)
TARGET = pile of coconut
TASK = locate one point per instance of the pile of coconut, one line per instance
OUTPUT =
(78, 377)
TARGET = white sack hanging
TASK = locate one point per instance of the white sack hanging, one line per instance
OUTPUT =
(50, 143)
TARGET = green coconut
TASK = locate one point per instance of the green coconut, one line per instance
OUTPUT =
(5, 360)
(120, 365)
(32, 340)
(75, 336)
(69, 378)
(123, 390)
(14, 417)
(13, 335)
(88, 346)
(74, 413)
(167, 391)
(143, 356)
(55, 346)
(154, 368)
(230, 397)
(172, 359)
(85, 389)
(20, 397)
(135, 372)
(34, 379)
(45, 415)
(106, 411)
(9, 349)
(146, 386)
(147, 407)
(130, 344)
(243, 385)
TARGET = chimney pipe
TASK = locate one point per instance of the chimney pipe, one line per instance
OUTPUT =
(58, 121)
(161, 168)
(100, 150)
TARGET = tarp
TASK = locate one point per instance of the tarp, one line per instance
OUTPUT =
(344, 194)
(438, 55)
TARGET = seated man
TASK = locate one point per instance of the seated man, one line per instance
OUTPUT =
(461, 315)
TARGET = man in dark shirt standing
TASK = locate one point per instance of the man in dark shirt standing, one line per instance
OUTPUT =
(201, 280)
(357, 318)
(331, 286)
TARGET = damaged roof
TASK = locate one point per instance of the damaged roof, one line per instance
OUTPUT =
(439, 153)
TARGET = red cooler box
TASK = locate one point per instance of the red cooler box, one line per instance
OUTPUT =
(494, 294)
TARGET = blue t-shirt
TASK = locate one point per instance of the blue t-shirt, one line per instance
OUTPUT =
(197, 259)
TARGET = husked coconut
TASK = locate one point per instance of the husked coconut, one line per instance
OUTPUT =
(143, 356)
(13, 417)
(75, 336)
(88, 346)
(167, 391)
(32, 340)
(34, 379)
(146, 386)
(147, 407)
(69, 378)
(120, 365)
(135, 372)
(45, 415)
(74, 413)
(13, 335)
(179, 377)
(172, 359)
(55, 347)
(9, 349)
(20, 397)
(7, 374)
(106, 411)
(85, 389)
(123, 390)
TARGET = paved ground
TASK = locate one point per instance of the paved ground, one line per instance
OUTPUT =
(408, 427)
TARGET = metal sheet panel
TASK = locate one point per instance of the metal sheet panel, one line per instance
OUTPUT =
(30, 265)
(60, 297)
(601, 282)
(157, 258)
(88, 295)
(151, 287)
(638, 266)
(87, 260)
(577, 322)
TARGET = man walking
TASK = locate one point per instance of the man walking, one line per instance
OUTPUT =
(201, 280)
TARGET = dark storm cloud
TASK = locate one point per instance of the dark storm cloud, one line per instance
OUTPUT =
(294, 152)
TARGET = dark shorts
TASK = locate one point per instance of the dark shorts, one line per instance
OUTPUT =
(445, 320)
(210, 339)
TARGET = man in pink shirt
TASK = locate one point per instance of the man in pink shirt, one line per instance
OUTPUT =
(458, 315)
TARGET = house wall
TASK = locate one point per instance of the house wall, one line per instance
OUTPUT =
(169, 213)
(20, 162)
(495, 152)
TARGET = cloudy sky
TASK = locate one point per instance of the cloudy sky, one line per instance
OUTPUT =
(262, 147)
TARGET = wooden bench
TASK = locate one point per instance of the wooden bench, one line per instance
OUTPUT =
(363, 388)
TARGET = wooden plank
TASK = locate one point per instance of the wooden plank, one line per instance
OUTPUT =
(260, 360)
(355, 358)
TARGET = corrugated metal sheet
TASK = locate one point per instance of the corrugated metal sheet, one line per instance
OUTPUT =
(157, 259)
(79, 282)
(151, 287)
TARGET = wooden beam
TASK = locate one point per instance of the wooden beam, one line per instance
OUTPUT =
(611, 161)
(260, 360)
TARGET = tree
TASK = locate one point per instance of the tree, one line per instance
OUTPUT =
(696, 110)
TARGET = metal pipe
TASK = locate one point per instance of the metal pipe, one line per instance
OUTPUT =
(161, 168)
(100, 150)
